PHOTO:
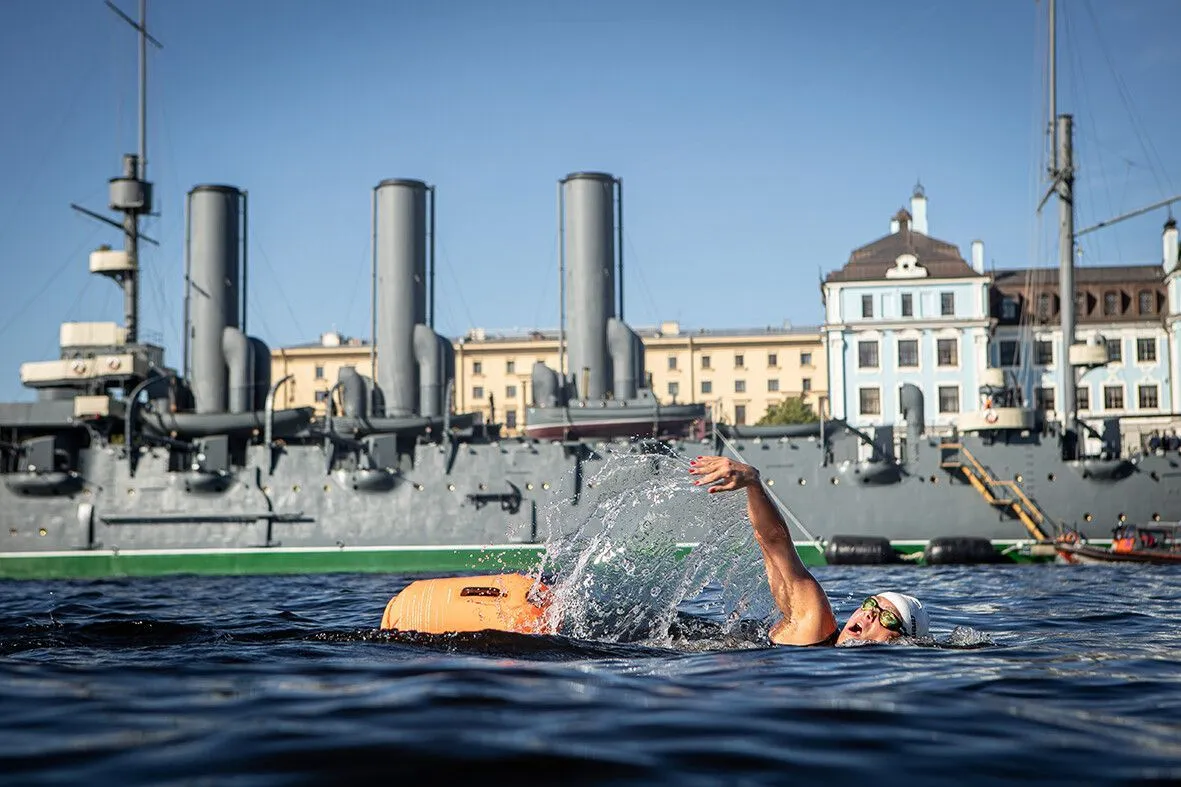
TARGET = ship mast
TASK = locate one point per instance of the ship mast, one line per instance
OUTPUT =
(1061, 173)
(1062, 183)
(131, 193)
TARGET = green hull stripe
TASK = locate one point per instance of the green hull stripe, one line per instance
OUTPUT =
(316, 560)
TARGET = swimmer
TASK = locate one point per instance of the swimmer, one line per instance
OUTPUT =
(807, 615)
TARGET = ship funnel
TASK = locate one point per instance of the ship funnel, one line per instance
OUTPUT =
(400, 269)
(588, 253)
(213, 298)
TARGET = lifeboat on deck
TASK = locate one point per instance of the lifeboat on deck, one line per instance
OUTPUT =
(497, 602)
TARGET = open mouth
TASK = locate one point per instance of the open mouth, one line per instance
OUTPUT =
(855, 628)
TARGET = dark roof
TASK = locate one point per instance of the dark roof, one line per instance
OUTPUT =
(1091, 274)
(941, 259)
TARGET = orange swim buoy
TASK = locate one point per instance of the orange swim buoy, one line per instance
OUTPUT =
(501, 602)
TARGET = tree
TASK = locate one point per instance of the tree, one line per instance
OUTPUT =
(792, 410)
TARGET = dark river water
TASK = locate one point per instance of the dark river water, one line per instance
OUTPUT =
(1053, 674)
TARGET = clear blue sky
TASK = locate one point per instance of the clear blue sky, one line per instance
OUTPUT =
(758, 142)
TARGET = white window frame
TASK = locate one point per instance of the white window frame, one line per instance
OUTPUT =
(959, 399)
(1123, 387)
(877, 388)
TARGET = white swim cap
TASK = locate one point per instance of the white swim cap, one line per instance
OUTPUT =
(915, 620)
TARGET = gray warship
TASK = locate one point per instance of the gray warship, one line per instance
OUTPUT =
(123, 465)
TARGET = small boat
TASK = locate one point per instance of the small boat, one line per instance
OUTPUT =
(1158, 543)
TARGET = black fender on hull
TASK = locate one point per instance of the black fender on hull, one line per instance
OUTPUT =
(960, 551)
(859, 551)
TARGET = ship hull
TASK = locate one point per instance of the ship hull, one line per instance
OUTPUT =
(474, 505)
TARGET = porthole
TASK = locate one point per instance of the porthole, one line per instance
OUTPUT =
(1087, 517)
(803, 482)
(1155, 517)
(770, 482)
(42, 532)
(1019, 478)
(1050, 477)
(1123, 517)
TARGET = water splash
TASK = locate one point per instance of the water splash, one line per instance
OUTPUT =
(617, 573)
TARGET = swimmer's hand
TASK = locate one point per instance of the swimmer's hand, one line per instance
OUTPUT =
(721, 474)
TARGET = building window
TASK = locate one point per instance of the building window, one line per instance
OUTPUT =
(478, 392)
(739, 360)
(773, 360)
(947, 351)
(867, 355)
(672, 363)
(947, 304)
(866, 305)
(870, 401)
(806, 384)
(739, 414)
(1043, 307)
(949, 398)
(1008, 308)
(908, 353)
(1080, 304)
(1043, 353)
(1083, 397)
(1145, 350)
(1149, 396)
(510, 367)
(1010, 354)
(1044, 398)
(740, 386)
(1146, 302)
(674, 389)
(805, 359)
(1113, 397)
(319, 372)
(321, 396)
(510, 418)
(707, 387)
(510, 392)
(477, 367)
(907, 305)
(1110, 303)
(1115, 350)
(773, 386)
(705, 362)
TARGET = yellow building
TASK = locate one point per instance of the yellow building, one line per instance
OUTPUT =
(738, 373)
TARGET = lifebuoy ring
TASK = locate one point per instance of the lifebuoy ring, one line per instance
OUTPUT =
(990, 416)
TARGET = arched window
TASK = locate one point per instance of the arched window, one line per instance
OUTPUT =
(1110, 303)
(1147, 302)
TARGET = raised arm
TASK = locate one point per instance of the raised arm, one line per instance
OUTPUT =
(807, 614)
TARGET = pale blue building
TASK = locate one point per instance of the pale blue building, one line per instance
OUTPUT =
(907, 308)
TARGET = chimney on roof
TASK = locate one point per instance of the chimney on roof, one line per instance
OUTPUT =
(918, 209)
(978, 256)
(1169, 245)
